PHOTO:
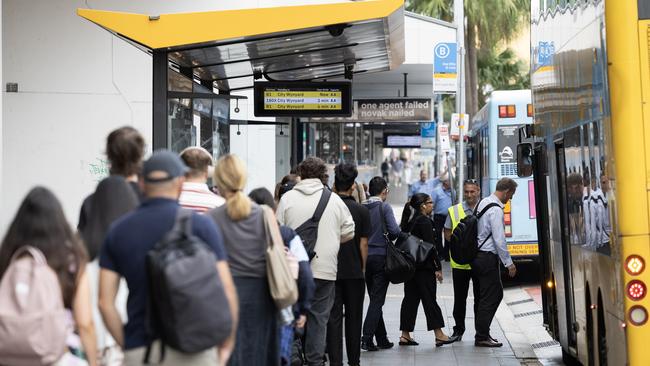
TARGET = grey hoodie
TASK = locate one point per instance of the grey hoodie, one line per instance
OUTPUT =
(335, 227)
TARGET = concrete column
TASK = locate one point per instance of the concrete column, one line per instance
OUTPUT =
(4, 214)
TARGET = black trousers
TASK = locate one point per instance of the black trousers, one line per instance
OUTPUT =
(421, 287)
(461, 278)
(377, 283)
(439, 224)
(485, 269)
(349, 294)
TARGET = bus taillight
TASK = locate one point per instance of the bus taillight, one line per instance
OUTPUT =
(507, 111)
(507, 219)
(636, 290)
(529, 107)
(638, 315)
(634, 265)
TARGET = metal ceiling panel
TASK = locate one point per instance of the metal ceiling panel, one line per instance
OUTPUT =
(369, 37)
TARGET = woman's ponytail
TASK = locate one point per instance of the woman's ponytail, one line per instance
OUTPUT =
(230, 176)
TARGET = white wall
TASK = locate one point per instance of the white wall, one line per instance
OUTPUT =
(76, 83)
(256, 146)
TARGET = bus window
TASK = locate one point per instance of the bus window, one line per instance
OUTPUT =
(575, 186)
(507, 140)
(599, 197)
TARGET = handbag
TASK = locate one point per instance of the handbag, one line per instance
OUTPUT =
(400, 265)
(282, 285)
(419, 249)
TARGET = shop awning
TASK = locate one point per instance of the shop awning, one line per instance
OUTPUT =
(232, 48)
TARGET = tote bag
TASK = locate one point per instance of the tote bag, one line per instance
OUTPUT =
(282, 285)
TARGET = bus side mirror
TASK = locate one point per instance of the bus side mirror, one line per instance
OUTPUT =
(524, 160)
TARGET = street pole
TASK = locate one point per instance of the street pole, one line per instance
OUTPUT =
(459, 19)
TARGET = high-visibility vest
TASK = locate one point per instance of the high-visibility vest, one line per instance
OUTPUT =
(456, 213)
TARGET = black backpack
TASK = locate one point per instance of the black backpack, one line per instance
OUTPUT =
(188, 309)
(308, 231)
(464, 239)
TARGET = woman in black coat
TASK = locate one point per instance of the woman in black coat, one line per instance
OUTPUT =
(422, 286)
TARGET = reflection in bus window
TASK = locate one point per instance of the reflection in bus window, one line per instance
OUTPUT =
(575, 189)
(598, 202)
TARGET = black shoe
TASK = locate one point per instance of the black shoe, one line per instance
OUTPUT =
(385, 345)
(493, 339)
(487, 343)
(368, 346)
(403, 341)
(440, 342)
(458, 335)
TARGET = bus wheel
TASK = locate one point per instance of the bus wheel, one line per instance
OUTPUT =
(590, 328)
(602, 335)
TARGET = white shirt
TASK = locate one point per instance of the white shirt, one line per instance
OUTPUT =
(492, 222)
(197, 197)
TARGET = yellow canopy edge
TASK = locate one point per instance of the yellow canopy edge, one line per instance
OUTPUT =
(174, 30)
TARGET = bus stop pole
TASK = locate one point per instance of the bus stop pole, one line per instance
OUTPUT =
(459, 19)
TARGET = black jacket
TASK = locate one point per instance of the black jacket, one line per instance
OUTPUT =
(422, 227)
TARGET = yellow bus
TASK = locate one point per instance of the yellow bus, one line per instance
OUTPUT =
(591, 166)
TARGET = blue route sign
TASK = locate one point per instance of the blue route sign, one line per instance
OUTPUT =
(445, 67)
(428, 129)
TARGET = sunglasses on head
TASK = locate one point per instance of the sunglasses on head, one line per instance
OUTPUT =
(470, 181)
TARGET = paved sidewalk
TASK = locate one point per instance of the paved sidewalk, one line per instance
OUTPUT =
(460, 353)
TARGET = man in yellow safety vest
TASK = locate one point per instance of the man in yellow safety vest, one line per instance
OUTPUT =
(461, 273)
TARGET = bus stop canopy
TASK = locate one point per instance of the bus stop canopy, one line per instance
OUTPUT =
(232, 48)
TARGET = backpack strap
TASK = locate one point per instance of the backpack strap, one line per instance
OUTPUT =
(322, 203)
(487, 207)
(383, 222)
(483, 211)
(38, 256)
(183, 221)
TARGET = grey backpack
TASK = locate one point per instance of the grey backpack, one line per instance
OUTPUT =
(188, 309)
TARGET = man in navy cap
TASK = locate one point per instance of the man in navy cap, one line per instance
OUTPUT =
(124, 255)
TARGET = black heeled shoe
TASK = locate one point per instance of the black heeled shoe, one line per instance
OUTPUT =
(441, 342)
(403, 341)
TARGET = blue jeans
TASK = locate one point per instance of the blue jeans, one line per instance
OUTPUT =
(377, 283)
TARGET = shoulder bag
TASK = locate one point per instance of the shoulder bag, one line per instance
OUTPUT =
(420, 250)
(282, 285)
(400, 265)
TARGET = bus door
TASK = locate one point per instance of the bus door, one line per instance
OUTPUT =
(549, 300)
(567, 274)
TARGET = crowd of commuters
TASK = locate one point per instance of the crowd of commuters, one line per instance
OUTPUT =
(335, 240)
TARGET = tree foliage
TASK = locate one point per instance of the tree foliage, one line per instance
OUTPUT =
(489, 24)
(501, 71)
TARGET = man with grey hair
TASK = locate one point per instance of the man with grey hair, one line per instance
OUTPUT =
(485, 267)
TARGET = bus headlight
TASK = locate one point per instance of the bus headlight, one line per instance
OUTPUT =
(638, 315)
(634, 265)
(636, 290)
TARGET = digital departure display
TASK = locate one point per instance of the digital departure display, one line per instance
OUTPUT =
(302, 99)
(413, 141)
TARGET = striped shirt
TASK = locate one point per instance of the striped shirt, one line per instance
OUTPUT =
(197, 197)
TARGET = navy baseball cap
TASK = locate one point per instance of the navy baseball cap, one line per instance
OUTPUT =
(163, 161)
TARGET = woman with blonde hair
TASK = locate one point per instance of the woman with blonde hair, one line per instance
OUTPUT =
(242, 225)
